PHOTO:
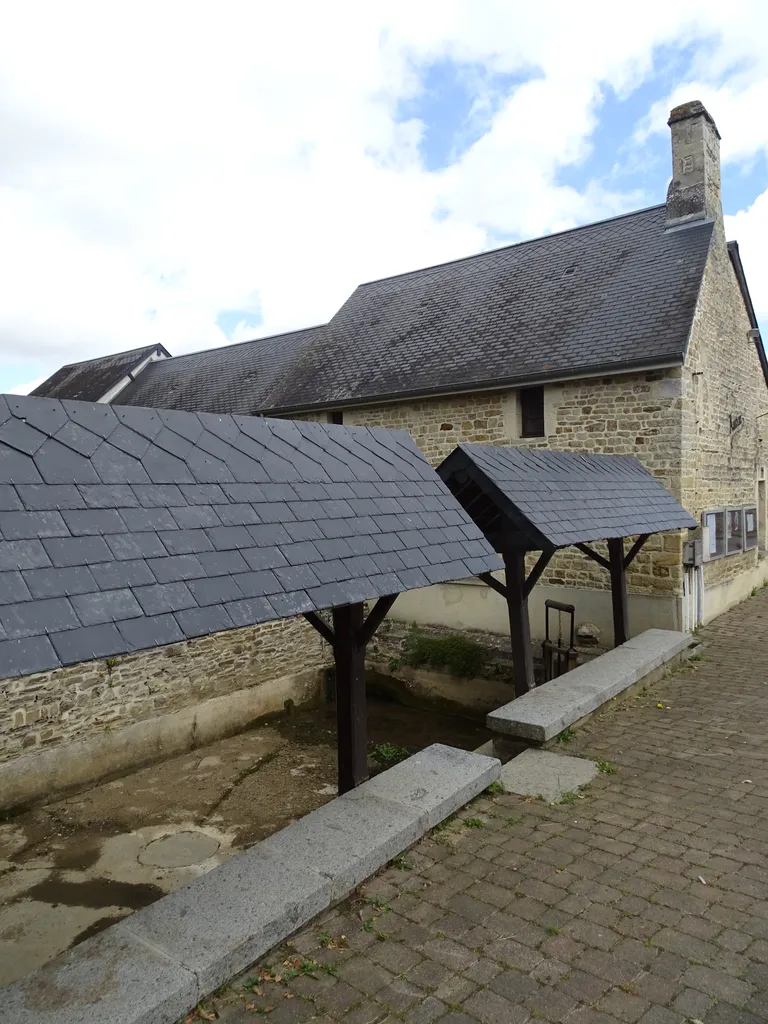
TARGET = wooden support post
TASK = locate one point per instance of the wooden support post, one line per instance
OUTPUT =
(618, 591)
(349, 654)
(519, 625)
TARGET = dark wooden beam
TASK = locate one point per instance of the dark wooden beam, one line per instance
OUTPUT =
(618, 591)
(349, 654)
(519, 624)
(376, 617)
(533, 577)
(594, 555)
(493, 583)
(635, 549)
(320, 625)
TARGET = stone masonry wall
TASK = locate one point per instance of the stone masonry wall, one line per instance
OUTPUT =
(722, 382)
(80, 701)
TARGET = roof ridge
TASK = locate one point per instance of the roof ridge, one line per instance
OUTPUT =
(239, 344)
(113, 355)
(514, 245)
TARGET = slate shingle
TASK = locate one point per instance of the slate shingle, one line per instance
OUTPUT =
(55, 582)
(172, 555)
(564, 497)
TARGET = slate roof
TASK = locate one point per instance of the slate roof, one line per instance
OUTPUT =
(611, 296)
(554, 499)
(91, 379)
(604, 297)
(124, 528)
(230, 379)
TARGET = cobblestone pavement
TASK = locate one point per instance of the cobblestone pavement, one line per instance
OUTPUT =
(644, 900)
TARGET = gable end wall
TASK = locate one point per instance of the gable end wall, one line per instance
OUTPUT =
(722, 380)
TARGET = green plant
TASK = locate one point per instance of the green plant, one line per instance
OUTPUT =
(552, 929)
(473, 823)
(570, 798)
(402, 864)
(441, 826)
(456, 654)
(388, 754)
(496, 788)
(606, 767)
(394, 664)
(300, 967)
(697, 657)
(377, 901)
(565, 736)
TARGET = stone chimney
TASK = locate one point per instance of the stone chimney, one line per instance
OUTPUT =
(694, 192)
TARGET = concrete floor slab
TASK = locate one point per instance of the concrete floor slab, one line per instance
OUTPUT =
(542, 773)
(190, 942)
(96, 856)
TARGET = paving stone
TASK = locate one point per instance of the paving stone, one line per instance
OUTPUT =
(364, 975)
(587, 988)
(427, 1011)
(514, 986)
(449, 953)
(624, 1005)
(717, 984)
(491, 1008)
(693, 1003)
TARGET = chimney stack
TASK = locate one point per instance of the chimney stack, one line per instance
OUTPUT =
(694, 192)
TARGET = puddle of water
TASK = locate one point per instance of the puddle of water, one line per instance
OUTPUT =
(81, 855)
(95, 893)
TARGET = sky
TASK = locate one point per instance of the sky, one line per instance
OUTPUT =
(196, 174)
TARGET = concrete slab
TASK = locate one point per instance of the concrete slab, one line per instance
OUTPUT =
(180, 850)
(112, 977)
(435, 782)
(230, 917)
(153, 967)
(347, 839)
(542, 773)
(540, 715)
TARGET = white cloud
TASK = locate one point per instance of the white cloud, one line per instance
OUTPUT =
(165, 162)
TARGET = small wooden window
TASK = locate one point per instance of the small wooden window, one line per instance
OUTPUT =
(532, 412)
(715, 524)
(734, 531)
(750, 528)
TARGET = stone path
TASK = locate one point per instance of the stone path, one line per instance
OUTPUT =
(645, 899)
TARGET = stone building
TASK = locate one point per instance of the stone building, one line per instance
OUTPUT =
(635, 335)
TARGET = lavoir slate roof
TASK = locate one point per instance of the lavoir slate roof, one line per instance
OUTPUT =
(93, 378)
(231, 379)
(606, 297)
(548, 499)
(125, 528)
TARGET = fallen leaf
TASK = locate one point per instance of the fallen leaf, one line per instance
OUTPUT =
(288, 995)
(206, 1015)
(659, 705)
(702, 880)
(250, 1006)
(257, 991)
